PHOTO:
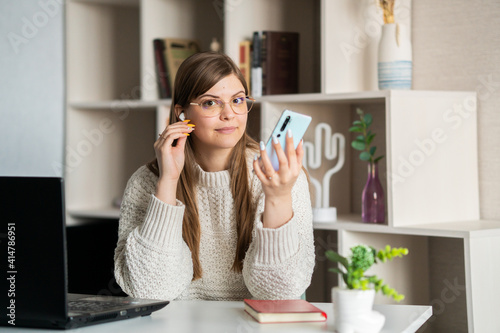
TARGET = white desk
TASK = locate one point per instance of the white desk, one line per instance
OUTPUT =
(229, 317)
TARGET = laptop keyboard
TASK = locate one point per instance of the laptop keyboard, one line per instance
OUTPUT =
(92, 306)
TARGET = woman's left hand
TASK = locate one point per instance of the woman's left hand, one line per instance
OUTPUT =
(277, 185)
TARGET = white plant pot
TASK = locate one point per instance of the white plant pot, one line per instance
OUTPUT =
(395, 64)
(353, 311)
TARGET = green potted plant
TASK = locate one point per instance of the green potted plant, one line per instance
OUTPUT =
(373, 198)
(353, 303)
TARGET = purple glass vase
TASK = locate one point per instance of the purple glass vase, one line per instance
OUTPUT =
(373, 199)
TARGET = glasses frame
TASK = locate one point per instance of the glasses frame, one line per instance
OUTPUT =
(223, 105)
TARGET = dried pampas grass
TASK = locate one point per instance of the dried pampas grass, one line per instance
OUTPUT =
(388, 8)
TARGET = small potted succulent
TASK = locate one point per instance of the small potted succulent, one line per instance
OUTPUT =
(353, 303)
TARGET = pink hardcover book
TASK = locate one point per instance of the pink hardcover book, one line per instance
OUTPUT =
(283, 311)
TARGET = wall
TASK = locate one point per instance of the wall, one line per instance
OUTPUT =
(456, 46)
(31, 88)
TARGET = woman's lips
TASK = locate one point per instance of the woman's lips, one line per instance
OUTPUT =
(226, 130)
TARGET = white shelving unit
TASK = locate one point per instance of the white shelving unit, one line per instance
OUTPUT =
(429, 138)
(479, 238)
(420, 133)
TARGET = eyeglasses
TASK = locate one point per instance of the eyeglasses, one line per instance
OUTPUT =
(214, 107)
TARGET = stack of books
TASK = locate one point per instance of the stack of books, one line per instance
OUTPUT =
(270, 62)
(169, 54)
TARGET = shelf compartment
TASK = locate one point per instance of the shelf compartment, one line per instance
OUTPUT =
(433, 273)
(242, 18)
(339, 111)
(102, 51)
(201, 20)
(103, 149)
(350, 36)
(401, 274)
(434, 132)
(322, 280)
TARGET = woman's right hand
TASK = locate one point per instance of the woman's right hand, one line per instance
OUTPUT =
(171, 159)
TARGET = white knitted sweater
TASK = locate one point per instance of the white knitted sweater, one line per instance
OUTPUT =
(153, 261)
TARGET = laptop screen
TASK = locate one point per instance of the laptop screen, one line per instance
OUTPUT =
(32, 249)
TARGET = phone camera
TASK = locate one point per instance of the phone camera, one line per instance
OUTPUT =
(287, 120)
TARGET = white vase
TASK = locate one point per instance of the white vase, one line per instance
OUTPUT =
(395, 64)
(353, 311)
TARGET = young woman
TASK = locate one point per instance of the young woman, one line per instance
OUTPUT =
(208, 219)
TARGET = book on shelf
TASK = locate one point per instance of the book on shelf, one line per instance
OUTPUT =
(175, 51)
(164, 90)
(245, 61)
(283, 311)
(279, 59)
(256, 71)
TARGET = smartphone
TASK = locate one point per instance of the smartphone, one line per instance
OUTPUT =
(294, 121)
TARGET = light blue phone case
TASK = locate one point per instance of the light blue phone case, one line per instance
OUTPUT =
(294, 121)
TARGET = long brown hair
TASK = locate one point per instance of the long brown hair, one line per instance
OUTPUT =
(195, 76)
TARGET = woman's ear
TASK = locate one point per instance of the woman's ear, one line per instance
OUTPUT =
(179, 112)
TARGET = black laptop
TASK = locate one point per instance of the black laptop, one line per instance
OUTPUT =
(33, 262)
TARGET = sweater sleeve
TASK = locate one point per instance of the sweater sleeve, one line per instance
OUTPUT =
(279, 262)
(151, 259)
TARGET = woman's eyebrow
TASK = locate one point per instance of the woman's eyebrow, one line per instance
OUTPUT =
(215, 96)
(239, 92)
(208, 95)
